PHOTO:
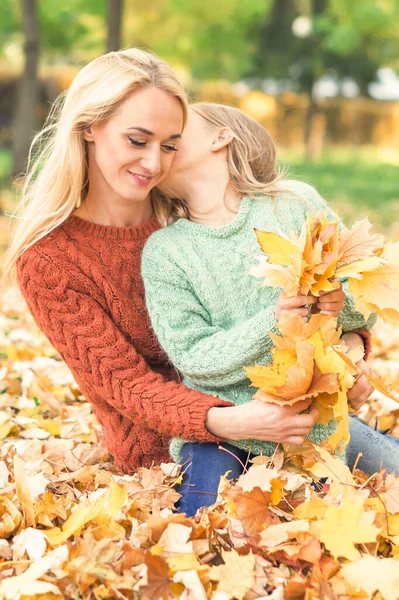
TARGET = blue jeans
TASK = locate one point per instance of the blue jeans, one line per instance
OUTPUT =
(378, 449)
(204, 464)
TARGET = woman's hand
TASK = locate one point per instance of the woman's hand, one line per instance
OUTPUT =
(263, 421)
(362, 388)
(331, 303)
(295, 304)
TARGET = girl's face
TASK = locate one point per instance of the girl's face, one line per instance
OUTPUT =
(195, 150)
(133, 150)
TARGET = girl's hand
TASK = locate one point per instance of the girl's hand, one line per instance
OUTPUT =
(331, 303)
(296, 304)
(263, 421)
(362, 388)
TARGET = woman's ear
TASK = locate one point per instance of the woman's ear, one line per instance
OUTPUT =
(88, 135)
(223, 138)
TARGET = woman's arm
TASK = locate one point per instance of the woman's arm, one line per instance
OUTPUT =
(68, 309)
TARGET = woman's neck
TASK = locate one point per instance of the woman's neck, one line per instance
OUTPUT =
(114, 214)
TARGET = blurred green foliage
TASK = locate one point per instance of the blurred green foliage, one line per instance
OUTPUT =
(358, 182)
(230, 40)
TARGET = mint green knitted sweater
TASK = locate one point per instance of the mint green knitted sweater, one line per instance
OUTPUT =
(211, 317)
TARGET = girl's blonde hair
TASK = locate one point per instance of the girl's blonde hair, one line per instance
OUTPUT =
(251, 155)
(56, 181)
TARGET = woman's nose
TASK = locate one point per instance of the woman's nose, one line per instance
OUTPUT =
(152, 161)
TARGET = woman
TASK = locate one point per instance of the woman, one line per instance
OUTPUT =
(205, 308)
(89, 204)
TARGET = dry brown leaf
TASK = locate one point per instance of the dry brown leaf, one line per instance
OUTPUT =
(252, 508)
(158, 581)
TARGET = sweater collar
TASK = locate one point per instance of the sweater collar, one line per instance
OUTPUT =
(109, 232)
(224, 231)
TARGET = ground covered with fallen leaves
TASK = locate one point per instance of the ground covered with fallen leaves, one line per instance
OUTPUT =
(73, 526)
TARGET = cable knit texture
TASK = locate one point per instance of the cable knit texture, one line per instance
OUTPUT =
(211, 317)
(83, 285)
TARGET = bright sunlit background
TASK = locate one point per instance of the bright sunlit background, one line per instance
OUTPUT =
(321, 75)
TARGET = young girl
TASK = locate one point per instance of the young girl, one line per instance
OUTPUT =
(89, 205)
(205, 308)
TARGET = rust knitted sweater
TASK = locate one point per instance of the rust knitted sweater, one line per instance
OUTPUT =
(83, 286)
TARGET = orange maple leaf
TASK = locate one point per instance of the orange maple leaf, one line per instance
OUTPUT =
(158, 581)
(252, 508)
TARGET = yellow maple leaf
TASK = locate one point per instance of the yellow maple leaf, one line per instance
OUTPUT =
(330, 467)
(378, 290)
(345, 526)
(277, 534)
(279, 248)
(237, 576)
(357, 243)
(107, 505)
(370, 574)
(313, 509)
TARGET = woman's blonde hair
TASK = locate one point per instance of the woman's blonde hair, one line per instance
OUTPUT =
(56, 181)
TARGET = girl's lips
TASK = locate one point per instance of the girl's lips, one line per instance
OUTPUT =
(140, 179)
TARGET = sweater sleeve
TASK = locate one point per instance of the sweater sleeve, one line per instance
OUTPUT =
(349, 319)
(205, 353)
(70, 311)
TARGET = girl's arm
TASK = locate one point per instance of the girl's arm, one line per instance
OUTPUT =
(69, 309)
(201, 351)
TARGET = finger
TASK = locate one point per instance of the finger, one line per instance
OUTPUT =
(329, 305)
(336, 296)
(327, 300)
(360, 385)
(298, 301)
(303, 312)
(359, 401)
(330, 313)
(305, 422)
(365, 393)
(295, 439)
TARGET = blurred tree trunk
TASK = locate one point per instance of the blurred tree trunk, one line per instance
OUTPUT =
(28, 90)
(314, 118)
(114, 20)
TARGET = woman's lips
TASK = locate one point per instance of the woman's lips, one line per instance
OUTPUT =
(140, 179)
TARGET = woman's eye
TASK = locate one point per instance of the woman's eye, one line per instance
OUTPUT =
(170, 148)
(136, 143)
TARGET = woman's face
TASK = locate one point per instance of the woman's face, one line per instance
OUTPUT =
(133, 150)
(195, 150)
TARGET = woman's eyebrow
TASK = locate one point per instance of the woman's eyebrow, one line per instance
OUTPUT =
(147, 132)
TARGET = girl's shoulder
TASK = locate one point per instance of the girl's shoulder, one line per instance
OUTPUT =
(299, 191)
(301, 199)
(163, 243)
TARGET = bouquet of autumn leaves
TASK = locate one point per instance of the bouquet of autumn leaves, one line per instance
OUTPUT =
(309, 359)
